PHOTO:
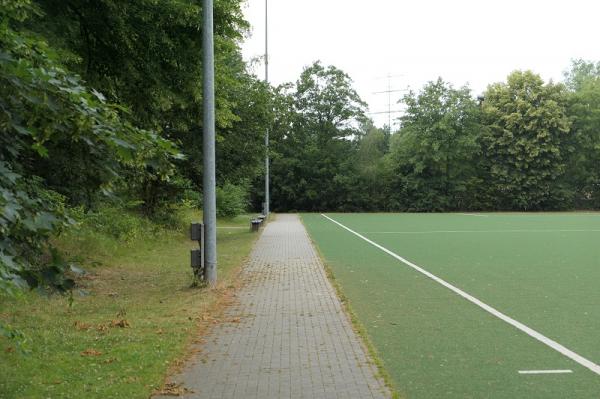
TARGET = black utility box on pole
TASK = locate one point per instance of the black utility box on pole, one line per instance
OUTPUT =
(197, 255)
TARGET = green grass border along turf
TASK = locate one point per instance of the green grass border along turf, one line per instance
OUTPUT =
(132, 318)
(358, 327)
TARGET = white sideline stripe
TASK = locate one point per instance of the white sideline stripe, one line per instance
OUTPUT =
(527, 330)
(473, 214)
(545, 371)
(486, 231)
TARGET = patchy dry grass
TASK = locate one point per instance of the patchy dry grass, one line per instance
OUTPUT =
(130, 323)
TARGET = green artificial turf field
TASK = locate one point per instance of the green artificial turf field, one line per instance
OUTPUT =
(542, 270)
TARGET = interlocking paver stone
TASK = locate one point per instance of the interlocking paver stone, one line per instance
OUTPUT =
(293, 339)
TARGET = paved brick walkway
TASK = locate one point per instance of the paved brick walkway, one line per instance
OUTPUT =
(290, 338)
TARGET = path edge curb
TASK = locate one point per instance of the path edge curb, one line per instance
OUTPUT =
(373, 356)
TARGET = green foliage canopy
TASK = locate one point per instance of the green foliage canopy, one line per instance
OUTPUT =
(433, 153)
(315, 142)
(583, 171)
(52, 125)
(526, 122)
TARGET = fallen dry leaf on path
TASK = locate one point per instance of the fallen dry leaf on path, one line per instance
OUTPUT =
(172, 389)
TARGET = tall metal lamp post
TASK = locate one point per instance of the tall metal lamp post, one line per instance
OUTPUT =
(266, 209)
(208, 146)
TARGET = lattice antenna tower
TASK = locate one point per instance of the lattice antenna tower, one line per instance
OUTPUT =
(389, 92)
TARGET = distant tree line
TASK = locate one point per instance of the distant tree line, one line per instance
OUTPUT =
(524, 145)
(100, 103)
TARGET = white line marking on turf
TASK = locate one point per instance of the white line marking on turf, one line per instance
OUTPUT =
(527, 330)
(473, 214)
(545, 371)
(485, 231)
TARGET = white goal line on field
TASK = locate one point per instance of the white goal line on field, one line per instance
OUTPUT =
(520, 326)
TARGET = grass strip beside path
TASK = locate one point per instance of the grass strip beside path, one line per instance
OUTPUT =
(132, 318)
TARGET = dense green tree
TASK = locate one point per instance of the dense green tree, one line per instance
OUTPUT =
(583, 172)
(367, 171)
(372, 146)
(328, 104)
(146, 56)
(240, 146)
(580, 74)
(526, 124)
(432, 155)
(318, 142)
(52, 125)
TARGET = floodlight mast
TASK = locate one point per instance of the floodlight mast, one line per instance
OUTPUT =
(266, 209)
(208, 146)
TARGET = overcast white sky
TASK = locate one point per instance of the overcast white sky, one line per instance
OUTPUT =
(463, 41)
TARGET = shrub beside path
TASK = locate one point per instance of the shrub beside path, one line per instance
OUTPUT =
(287, 336)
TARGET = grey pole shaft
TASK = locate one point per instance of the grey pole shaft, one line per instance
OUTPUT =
(208, 145)
(267, 194)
